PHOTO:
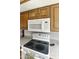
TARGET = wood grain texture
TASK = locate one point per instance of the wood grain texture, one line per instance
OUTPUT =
(44, 12)
(24, 20)
(55, 18)
(34, 14)
(39, 13)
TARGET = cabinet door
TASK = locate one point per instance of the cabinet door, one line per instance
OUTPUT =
(44, 12)
(34, 14)
(24, 20)
(55, 18)
(21, 21)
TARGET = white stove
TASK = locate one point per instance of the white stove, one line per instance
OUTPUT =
(38, 47)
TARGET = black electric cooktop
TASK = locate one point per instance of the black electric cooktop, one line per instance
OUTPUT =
(39, 46)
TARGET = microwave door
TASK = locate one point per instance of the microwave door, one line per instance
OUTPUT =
(35, 26)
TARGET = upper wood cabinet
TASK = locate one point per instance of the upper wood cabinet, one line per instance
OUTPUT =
(34, 14)
(45, 12)
(24, 20)
(39, 13)
(55, 18)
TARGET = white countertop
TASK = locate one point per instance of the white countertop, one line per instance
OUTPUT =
(24, 40)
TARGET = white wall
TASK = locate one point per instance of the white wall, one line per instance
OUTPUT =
(27, 33)
(54, 35)
(36, 4)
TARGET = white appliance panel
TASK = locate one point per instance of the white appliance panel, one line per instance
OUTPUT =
(41, 36)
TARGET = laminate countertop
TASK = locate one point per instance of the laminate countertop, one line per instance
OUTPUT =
(24, 40)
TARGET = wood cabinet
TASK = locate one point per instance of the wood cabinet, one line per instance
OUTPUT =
(55, 18)
(45, 12)
(39, 13)
(24, 20)
(34, 14)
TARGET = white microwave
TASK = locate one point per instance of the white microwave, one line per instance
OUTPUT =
(39, 25)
